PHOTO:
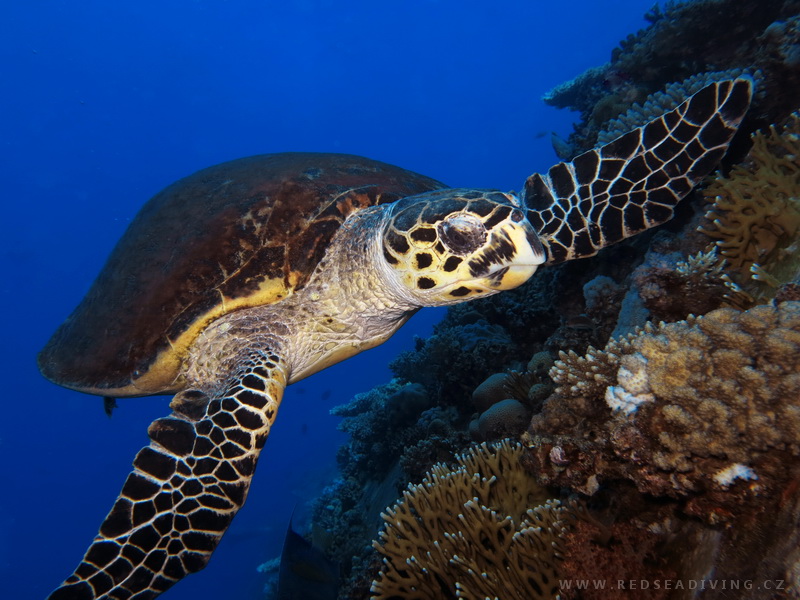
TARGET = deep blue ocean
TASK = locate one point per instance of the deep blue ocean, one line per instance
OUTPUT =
(104, 103)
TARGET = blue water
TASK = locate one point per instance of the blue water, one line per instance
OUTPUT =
(104, 103)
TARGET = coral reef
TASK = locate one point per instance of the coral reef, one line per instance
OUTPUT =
(394, 406)
(592, 551)
(688, 436)
(669, 406)
(505, 401)
(684, 40)
(477, 530)
(439, 362)
(475, 340)
(406, 410)
(493, 390)
(682, 436)
(673, 404)
(396, 434)
(672, 288)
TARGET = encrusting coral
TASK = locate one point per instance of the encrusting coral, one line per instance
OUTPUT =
(481, 529)
(754, 220)
(666, 408)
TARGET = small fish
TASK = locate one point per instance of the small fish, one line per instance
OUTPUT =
(581, 322)
(109, 404)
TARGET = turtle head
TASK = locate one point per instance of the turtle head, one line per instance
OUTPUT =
(454, 245)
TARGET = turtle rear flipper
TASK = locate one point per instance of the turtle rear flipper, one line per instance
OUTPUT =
(634, 182)
(185, 488)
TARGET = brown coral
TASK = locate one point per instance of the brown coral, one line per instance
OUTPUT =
(505, 400)
(674, 289)
(470, 532)
(679, 408)
(632, 553)
(591, 374)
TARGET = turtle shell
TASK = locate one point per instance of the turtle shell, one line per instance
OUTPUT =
(244, 233)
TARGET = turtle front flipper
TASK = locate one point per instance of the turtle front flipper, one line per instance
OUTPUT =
(634, 183)
(184, 490)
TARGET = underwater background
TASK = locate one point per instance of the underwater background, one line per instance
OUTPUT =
(106, 103)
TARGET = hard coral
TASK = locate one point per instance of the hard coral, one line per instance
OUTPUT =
(493, 390)
(675, 404)
(507, 418)
(472, 532)
(632, 553)
(505, 401)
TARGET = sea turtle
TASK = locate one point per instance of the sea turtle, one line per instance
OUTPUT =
(248, 276)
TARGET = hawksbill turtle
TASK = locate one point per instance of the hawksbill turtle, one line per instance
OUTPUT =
(247, 276)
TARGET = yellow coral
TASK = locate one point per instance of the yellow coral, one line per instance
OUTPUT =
(755, 217)
(685, 398)
(470, 532)
(721, 381)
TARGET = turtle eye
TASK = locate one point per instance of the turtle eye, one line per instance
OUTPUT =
(462, 233)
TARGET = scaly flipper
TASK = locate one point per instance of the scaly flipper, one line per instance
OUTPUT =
(184, 489)
(635, 182)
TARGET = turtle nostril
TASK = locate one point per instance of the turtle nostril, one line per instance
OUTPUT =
(462, 233)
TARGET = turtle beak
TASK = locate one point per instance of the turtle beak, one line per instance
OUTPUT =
(512, 255)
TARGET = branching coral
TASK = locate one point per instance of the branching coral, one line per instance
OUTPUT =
(473, 532)
(591, 374)
(755, 215)
(670, 407)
